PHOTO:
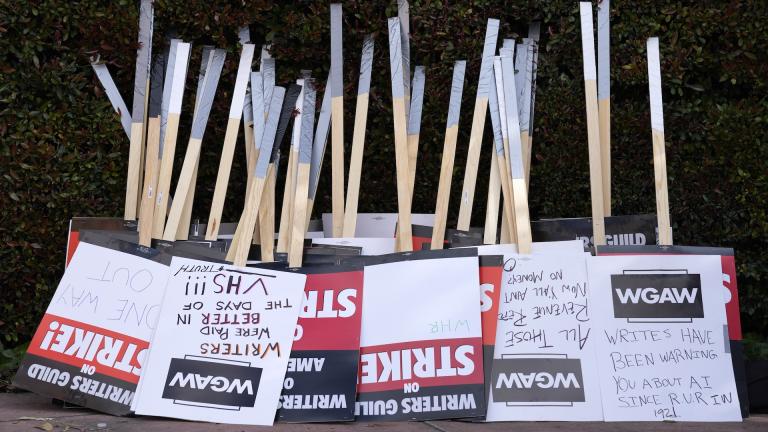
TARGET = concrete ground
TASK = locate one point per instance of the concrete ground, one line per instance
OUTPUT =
(30, 412)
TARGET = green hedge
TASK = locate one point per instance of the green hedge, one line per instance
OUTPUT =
(63, 152)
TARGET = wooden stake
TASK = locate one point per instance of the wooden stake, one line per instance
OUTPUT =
(188, 174)
(318, 149)
(405, 242)
(478, 125)
(337, 120)
(257, 106)
(241, 242)
(358, 139)
(248, 129)
(519, 189)
(659, 150)
(140, 95)
(403, 14)
(113, 95)
(604, 96)
(494, 201)
(150, 182)
(525, 110)
(296, 247)
(176, 76)
(534, 33)
(593, 123)
(230, 139)
(414, 124)
(501, 158)
(289, 190)
(449, 153)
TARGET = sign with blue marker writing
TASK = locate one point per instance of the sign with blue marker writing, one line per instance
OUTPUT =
(662, 349)
(223, 343)
(92, 343)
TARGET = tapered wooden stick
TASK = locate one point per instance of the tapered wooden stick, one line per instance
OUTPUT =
(296, 247)
(414, 123)
(522, 220)
(507, 232)
(604, 95)
(230, 139)
(403, 14)
(534, 34)
(289, 190)
(501, 158)
(138, 114)
(318, 149)
(175, 78)
(245, 37)
(478, 125)
(405, 242)
(659, 150)
(189, 166)
(113, 94)
(241, 241)
(593, 123)
(449, 153)
(495, 178)
(337, 122)
(257, 106)
(358, 139)
(525, 110)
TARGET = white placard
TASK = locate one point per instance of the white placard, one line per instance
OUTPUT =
(421, 339)
(377, 224)
(662, 347)
(370, 245)
(222, 343)
(96, 331)
(544, 365)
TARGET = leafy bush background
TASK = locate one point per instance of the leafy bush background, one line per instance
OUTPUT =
(63, 152)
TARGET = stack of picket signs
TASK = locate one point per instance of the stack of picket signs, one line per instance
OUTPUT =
(383, 316)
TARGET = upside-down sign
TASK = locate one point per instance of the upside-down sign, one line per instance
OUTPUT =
(321, 379)
(92, 342)
(421, 345)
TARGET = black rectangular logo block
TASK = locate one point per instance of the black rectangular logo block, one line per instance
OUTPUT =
(204, 381)
(657, 296)
(537, 380)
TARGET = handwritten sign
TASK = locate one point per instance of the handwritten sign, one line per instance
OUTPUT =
(91, 345)
(321, 381)
(662, 347)
(421, 345)
(222, 343)
(544, 365)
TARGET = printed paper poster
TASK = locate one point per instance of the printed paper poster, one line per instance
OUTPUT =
(321, 380)
(663, 345)
(91, 345)
(222, 344)
(421, 343)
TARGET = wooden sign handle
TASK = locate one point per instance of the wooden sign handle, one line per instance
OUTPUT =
(659, 150)
(604, 96)
(151, 168)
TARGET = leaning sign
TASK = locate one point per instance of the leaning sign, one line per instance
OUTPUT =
(91, 345)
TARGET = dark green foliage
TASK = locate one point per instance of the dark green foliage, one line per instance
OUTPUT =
(63, 152)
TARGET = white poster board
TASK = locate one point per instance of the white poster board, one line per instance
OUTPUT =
(369, 245)
(662, 348)
(377, 224)
(544, 366)
(95, 334)
(421, 337)
(222, 343)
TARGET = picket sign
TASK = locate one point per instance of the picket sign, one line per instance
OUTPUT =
(544, 365)
(438, 348)
(405, 242)
(659, 152)
(139, 111)
(289, 190)
(337, 121)
(321, 380)
(176, 76)
(241, 242)
(593, 122)
(449, 154)
(663, 350)
(184, 195)
(604, 95)
(478, 125)
(245, 370)
(230, 139)
(358, 138)
(299, 227)
(92, 343)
